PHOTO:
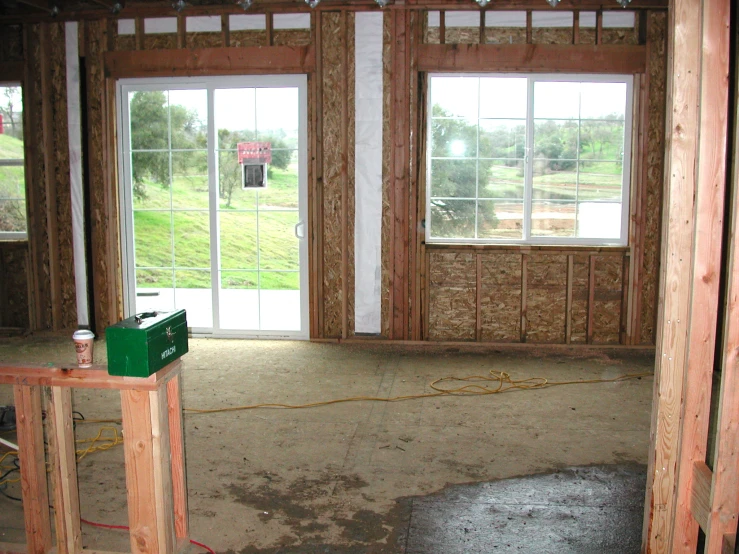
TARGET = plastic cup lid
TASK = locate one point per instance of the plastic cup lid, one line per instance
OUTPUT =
(83, 334)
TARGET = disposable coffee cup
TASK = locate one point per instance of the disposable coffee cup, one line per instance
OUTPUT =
(83, 346)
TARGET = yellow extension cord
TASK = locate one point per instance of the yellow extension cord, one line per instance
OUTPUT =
(477, 385)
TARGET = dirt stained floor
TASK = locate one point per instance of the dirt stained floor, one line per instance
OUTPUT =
(334, 478)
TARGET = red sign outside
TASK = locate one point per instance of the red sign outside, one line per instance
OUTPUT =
(255, 152)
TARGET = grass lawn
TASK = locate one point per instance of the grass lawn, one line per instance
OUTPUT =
(181, 238)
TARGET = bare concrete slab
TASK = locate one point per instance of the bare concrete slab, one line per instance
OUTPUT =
(333, 479)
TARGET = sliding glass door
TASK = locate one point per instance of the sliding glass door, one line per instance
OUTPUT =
(198, 234)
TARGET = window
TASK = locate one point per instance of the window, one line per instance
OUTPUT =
(12, 177)
(538, 159)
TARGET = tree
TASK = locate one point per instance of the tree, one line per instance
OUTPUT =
(458, 178)
(10, 97)
(155, 125)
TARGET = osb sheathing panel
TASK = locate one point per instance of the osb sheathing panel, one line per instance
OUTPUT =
(247, 38)
(580, 280)
(203, 40)
(622, 36)
(546, 298)
(350, 72)
(296, 37)
(452, 296)
(656, 66)
(607, 309)
(551, 35)
(332, 90)
(163, 41)
(14, 287)
(60, 157)
(505, 35)
(100, 218)
(387, 61)
(500, 297)
(125, 42)
(11, 43)
(462, 35)
(39, 233)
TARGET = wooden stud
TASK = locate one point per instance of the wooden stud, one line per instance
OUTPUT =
(415, 162)
(591, 298)
(482, 39)
(270, 29)
(524, 287)
(478, 298)
(553, 58)
(138, 450)
(576, 27)
(64, 471)
(427, 297)
(599, 27)
(181, 31)
(177, 448)
(624, 337)
(160, 450)
(225, 30)
(111, 32)
(529, 27)
(318, 201)
(139, 36)
(568, 310)
(52, 228)
(677, 329)
(700, 493)
(442, 27)
(344, 181)
(32, 458)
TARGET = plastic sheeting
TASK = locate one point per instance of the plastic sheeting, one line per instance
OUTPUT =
(368, 172)
(74, 124)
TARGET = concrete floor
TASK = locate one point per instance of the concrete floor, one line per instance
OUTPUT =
(363, 477)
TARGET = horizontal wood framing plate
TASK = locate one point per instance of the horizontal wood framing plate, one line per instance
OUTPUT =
(11, 71)
(548, 58)
(253, 60)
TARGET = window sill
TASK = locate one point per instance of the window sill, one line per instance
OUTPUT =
(573, 248)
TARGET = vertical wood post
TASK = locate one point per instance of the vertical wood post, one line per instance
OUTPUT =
(34, 487)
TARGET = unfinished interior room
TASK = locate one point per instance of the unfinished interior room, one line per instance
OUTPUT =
(368, 276)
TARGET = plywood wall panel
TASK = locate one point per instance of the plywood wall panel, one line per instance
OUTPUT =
(657, 68)
(505, 35)
(546, 298)
(452, 296)
(332, 91)
(60, 157)
(622, 36)
(608, 291)
(203, 40)
(462, 35)
(125, 42)
(14, 286)
(387, 63)
(294, 37)
(248, 38)
(500, 297)
(163, 41)
(551, 35)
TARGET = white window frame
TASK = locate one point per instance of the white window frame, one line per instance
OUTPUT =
(16, 235)
(527, 239)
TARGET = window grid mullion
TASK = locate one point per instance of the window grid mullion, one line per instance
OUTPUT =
(529, 165)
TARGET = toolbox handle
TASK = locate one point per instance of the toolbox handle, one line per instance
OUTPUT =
(139, 318)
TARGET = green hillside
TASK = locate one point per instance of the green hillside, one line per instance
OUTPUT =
(10, 147)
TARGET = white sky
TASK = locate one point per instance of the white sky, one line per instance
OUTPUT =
(474, 97)
(17, 103)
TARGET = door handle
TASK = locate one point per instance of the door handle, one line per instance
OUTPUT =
(300, 224)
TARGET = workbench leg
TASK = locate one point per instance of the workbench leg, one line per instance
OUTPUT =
(177, 446)
(64, 472)
(33, 468)
(148, 479)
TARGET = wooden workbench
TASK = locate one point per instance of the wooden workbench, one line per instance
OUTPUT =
(153, 446)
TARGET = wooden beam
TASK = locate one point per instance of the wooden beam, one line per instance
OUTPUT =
(568, 309)
(442, 27)
(524, 300)
(177, 447)
(181, 31)
(478, 297)
(318, 199)
(160, 451)
(599, 27)
(576, 27)
(553, 58)
(34, 486)
(270, 28)
(591, 299)
(257, 60)
(225, 30)
(344, 144)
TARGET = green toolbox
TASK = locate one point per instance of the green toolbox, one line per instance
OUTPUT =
(145, 343)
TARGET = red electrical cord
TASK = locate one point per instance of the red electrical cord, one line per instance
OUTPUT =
(125, 528)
